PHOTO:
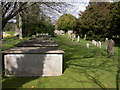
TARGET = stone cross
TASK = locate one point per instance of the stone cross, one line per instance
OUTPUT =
(110, 46)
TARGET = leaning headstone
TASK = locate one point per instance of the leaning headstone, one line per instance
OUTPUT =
(94, 42)
(110, 46)
(78, 38)
(87, 45)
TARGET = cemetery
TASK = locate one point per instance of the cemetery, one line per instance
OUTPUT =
(50, 47)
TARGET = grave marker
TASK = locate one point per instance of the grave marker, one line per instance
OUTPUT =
(87, 45)
(110, 46)
(78, 38)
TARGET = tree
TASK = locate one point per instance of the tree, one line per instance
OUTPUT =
(94, 21)
(12, 9)
(115, 19)
(34, 21)
(115, 31)
(65, 22)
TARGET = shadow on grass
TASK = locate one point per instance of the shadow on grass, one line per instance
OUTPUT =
(84, 60)
(16, 82)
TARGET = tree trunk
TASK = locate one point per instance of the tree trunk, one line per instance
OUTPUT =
(20, 27)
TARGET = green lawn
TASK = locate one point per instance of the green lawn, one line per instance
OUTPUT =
(83, 68)
(9, 42)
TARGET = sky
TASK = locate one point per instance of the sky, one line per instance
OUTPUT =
(74, 9)
(77, 7)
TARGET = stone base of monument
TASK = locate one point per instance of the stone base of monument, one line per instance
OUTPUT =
(33, 61)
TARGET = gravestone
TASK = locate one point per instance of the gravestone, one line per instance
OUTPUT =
(97, 44)
(87, 45)
(106, 42)
(70, 32)
(100, 44)
(94, 42)
(110, 47)
(85, 37)
(78, 38)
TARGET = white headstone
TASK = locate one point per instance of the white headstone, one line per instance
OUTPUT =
(94, 42)
(97, 44)
(100, 44)
(85, 37)
(78, 38)
(87, 45)
(106, 42)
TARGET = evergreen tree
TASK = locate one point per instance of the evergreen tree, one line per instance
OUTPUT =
(94, 21)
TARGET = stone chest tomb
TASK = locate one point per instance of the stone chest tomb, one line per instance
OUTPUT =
(37, 60)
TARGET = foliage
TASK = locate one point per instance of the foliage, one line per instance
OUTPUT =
(94, 21)
(115, 19)
(12, 9)
(42, 26)
(35, 23)
(99, 20)
(65, 22)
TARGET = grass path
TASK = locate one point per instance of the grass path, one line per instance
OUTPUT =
(83, 68)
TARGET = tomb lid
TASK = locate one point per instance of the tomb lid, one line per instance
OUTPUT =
(36, 44)
(34, 50)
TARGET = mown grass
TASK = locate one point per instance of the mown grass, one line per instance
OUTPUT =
(9, 42)
(83, 68)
